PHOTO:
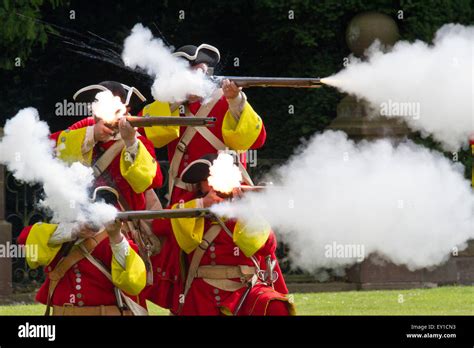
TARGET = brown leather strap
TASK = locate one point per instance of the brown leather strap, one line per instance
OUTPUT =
(152, 201)
(132, 305)
(67, 262)
(219, 145)
(179, 152)
(225, 272)
(231, 235)
(208, 238)
(107, 157)
(225, 284)
(220, 276)
(186, 138)
(90, 311)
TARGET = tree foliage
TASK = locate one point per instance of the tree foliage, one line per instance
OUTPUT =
(261, 34)
(21, 30)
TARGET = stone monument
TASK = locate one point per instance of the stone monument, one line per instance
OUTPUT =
(355, 118)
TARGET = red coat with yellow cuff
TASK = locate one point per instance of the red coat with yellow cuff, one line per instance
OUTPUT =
(130, 179)
(236, 250)
(83, 284)
(246, 133)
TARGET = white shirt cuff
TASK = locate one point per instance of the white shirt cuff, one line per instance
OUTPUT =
(121, 251)
(236, 105)
(199, 204)
(64, 233)
(131, 152)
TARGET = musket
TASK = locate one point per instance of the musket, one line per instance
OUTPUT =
(255, 188)
(292, 82)
(163, 214)
(177, 213)
(245, 188)
(182, 121)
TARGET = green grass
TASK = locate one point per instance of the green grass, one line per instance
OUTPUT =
(452, 300)
(38, 309)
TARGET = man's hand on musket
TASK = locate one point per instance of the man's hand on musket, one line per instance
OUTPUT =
(230, 89)
(114, 232)
(211, 198)
(86, 231)
(102, 133)
(127, 132)
(237, 192)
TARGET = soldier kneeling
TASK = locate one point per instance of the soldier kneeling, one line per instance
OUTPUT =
(88, 272)
(227, 268)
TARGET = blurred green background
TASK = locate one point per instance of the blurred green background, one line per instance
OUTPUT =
(259, 33)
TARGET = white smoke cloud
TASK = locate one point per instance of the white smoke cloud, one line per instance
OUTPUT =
(108, 106)
(224, 175)
(174, 81)
(410, 205)
(28, 153)
(436, 81)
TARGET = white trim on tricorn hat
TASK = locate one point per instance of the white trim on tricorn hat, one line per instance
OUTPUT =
(200, 48)
(88, 93)
(131, 91)
(192, 175)
(106, 189)
(100, 88)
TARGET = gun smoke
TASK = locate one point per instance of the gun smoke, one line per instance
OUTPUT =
(174, 81)
(435, 80)
(224, 175)
(108, 107)
(405, 203)
(29, 154)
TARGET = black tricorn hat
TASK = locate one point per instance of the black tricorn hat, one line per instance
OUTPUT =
(198, 170)
(107, 194)
(130, 96)
(204, 53)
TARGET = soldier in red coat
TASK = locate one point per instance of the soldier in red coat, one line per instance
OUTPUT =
(75, 285)
(228, 268)
(123, 160)
(238, 127)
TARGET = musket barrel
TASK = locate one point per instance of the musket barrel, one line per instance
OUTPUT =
(254, 188)
(149, 121)
(162, 214)
(292, 82)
